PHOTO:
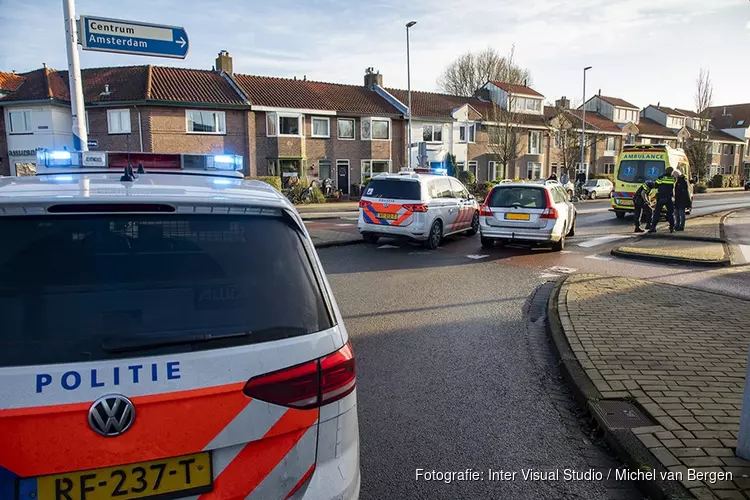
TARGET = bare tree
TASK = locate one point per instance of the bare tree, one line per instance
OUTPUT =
(504, 134)
(698, 145)
(567, 140)
(473, 69)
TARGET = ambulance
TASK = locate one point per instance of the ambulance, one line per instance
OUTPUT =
(167, 332)
(639, 163)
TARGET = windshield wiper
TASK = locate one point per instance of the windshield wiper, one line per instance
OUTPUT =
(134, 343)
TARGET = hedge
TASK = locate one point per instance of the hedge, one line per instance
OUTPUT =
(466, 177)
(481, 189)
(701, 188)
(269, 179)
(725, 181)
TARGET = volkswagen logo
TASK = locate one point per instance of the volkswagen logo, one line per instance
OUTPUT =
(111, 415)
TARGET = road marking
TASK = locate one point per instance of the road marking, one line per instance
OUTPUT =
(565, 251)
(598, 257)
(561, 269)
(477, 256)
(345, 224)
(424, 252)
(602, 240)
(549, 275)
(350, 218)
(386, 246)
(745, 249)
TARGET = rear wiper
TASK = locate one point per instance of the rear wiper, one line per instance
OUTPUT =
(124, 344)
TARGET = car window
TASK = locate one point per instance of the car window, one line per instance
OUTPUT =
(444, 188)
(395, 189)
(459, 191)
(83, 288)
(518, 196)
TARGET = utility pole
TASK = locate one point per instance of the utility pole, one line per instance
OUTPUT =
(408, 87)
(77, 109)
(583, 129)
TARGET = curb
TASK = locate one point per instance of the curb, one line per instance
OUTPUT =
(626, 444)
(345, 243)
(675, 236)
(673, 260)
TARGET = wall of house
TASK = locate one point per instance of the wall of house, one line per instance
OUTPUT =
(4, 163)
(656, 115)
(596, 105)
(99, 131)
(436, 151)
(740, 133)
(50, 129)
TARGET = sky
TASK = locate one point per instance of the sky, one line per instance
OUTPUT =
(644, 51)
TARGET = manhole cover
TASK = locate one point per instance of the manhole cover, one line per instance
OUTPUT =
(620, 414)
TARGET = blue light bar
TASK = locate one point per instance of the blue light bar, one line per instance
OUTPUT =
(59, 155)
(224, 159)
(224, 162)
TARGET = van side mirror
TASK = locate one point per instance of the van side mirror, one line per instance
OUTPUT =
(471, 197)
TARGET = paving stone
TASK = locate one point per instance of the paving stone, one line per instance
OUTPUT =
(664, 456)
(729, 494)
(649, 441)
(702, 461)
(703, 493)
(688, 452)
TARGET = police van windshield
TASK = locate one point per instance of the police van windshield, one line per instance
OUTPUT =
(80, 288)
(395, 189)
(640, 170)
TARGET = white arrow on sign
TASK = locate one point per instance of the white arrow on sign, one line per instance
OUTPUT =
(181, 42)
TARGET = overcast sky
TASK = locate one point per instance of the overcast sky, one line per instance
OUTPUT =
(644, 51)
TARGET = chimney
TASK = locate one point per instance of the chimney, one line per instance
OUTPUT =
(600, 92)
(106, 90)
(224, 62)
(525, 82)
(372, 78)
(44, 65)
(562, 103)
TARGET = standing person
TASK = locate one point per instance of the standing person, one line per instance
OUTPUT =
(681, 202)
(664, 199)
(642, 205)
(552, 177)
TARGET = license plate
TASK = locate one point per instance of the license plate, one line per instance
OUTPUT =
(517, 216)
(188, 475)
(388, 216)
(627, 203)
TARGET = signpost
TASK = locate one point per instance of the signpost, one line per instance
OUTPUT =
(132, 37)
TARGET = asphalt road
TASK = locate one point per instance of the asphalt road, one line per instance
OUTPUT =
(455, 370)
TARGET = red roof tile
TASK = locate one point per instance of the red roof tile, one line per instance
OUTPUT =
(306, 94)
(730, 116)
(647, 126)
(515, 88)
(434, 105)
(191, 85)
(34, 87)
(10, 81)
(687, 112)
(666, 110)
(616, 101)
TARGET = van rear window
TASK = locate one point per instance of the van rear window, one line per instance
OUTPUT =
(89, 287)
(640, 170)
(520, 196)
(395, 189)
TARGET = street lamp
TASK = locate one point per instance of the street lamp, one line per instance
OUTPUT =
(408, 86)
(583, 129)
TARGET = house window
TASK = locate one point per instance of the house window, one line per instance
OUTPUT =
(324, 169)
(492, 170)
(432, 133)
(346, 128)
(321, 127)
(290, 125)
(372, 168)
(270, 124)
(747, 148)
(534, 145)
(472, 129)
(20, 121)
(645, 140)
(462, 133)
(473, 168)
(381, 129)
(533, 170)
(204, 122)
(610, 144)
(118, 121)
(717, 148)
(460, 166)
(609, 168)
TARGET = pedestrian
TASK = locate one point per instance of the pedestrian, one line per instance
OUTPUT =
(681, 202)
(552, 177)
(664, 199)
(642, 204)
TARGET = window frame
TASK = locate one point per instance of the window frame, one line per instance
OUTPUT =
(491, 168)
(532, 165)
(312, 126)
(119, 111)
(370, 161)
(300, 124)
(473, 164)
(217, 122)
(354, 129)
(614, 143)
(433, 128)
(538, 136)
(30, 127)
(372, 129)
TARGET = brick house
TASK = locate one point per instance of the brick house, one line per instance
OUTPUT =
(734, 119)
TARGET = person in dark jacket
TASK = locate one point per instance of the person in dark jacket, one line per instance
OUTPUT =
(664, 199)
(642, 205)
(681, 202)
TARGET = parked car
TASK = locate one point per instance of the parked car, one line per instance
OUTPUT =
(598, 188)
(747, 185)
(540, 213)
(422, 207)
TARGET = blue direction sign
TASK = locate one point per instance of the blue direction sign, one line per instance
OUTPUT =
(93, 143)
(132, 37)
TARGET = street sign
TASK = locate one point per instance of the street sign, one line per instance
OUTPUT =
(132, 37)
(93, 143)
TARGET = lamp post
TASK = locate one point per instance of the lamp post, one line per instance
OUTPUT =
(408, 86)
(583, 129)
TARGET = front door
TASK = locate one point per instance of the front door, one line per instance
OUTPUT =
(342, 176)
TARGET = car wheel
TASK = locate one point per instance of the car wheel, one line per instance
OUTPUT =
(435, 236)
(572, 231)
(370, 238)
(558, 246)
(474, 225)
(592, 195)
(487, 242)
(620, 214)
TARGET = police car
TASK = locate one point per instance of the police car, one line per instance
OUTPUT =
(421, 205)
(168, 336)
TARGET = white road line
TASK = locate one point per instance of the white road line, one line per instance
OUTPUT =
(745, 249)
(386, 246)
(565, 251)
(598, 257)
(350, 218)
(342, 225)
(602, 240)
(477, 257)
(561, 269)
(549, 275)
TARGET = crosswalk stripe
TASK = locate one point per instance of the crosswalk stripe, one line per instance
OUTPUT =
(745, 249)
(602, 240)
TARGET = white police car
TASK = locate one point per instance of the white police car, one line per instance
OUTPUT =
(168, 336)
(419, 205)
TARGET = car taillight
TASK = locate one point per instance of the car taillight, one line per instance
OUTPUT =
(550, 212)
(364, 203)
(418, 207)
(308, 385)
(485, 210)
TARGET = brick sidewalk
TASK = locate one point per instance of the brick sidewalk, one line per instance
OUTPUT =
(681, 354)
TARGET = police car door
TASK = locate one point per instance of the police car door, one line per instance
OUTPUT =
(465, 206)
(449, 205)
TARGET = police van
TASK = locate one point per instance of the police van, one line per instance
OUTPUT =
(167, 336)
(422, 205)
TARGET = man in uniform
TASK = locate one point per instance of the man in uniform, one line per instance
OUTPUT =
(664, 198)
(642, 204)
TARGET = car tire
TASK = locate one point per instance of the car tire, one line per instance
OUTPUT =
(572, 231)
(487, 242)
(619, 214)
(592, 195)
(370, 238)
(435, 236)
(474, 225)
(558, 246)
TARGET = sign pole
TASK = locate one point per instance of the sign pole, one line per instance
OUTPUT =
(77, 109)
